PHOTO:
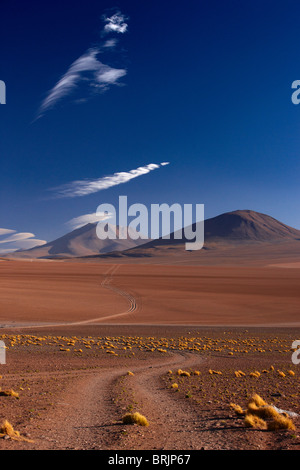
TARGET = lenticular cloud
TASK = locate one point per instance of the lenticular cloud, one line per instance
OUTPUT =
(85, 187)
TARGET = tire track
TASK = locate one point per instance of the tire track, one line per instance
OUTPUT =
(105, 284)
(92, 421)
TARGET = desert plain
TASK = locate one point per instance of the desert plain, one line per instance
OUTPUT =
(89, 342)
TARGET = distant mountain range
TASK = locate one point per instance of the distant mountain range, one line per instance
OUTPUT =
(239, 229)
(82, 241)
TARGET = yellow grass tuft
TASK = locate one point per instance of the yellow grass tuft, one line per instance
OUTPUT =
(255, 374)
(239, 373)
(257, 400)
(237, 409)
(258, 411)
(282, 374)
(174, 385)
(130, 373)
(281, 422)
(291, 372)
(9, 393)
(252, 421)
(184, 373)
(135, 418)
(6, 429)
(262, 411)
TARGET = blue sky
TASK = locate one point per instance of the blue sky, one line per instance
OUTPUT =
(97, 88)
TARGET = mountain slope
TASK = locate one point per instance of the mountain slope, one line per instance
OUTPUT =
(241, 226)
(232, 230)
(80, 242)
(228, 236)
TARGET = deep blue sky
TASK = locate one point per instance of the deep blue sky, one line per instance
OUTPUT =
(207, 88)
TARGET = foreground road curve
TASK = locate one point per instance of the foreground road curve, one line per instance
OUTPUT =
(88, 419)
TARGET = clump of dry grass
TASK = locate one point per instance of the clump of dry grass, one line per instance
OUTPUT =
(239, 373)
(6, 429)
(257, 400)
(183, 373)
(255, 374)
(9, 393)
(281, 422)
(135, 418)
(252, 421)
(175, 386)
(282, 374)
(262, 411)
(260, 415)
(237, 409)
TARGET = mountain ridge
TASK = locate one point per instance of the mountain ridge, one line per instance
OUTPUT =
(240, 227)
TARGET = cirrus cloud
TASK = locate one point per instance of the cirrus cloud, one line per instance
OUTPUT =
(88, 71)
(89, 186)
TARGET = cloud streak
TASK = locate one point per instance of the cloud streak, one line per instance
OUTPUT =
(86, 187)
(88, 69)
(17, 240)
(82, 220)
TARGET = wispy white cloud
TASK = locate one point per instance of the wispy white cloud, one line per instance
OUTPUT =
(110, 43)
(17, 240)
(115, 23)
(82, 220)
(88, 70)
(85, 187)
(5, 231)
(17, 237)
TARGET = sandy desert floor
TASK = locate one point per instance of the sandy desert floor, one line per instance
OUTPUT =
(61, 292)
(87, 343)
(75, 384)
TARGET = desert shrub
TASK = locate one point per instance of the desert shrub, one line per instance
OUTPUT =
(135, 418)
(9, 393)
(281, 422)
(252, 421)
(6, 429)
(237, 409)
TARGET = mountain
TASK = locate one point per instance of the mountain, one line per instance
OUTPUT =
(241, 226)
(230, 238)
(80, 242)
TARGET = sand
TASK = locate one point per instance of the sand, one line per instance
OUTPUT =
(73, 331)
(76, 400)
(62, 292)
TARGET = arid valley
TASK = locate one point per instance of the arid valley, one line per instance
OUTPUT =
(89, 341)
